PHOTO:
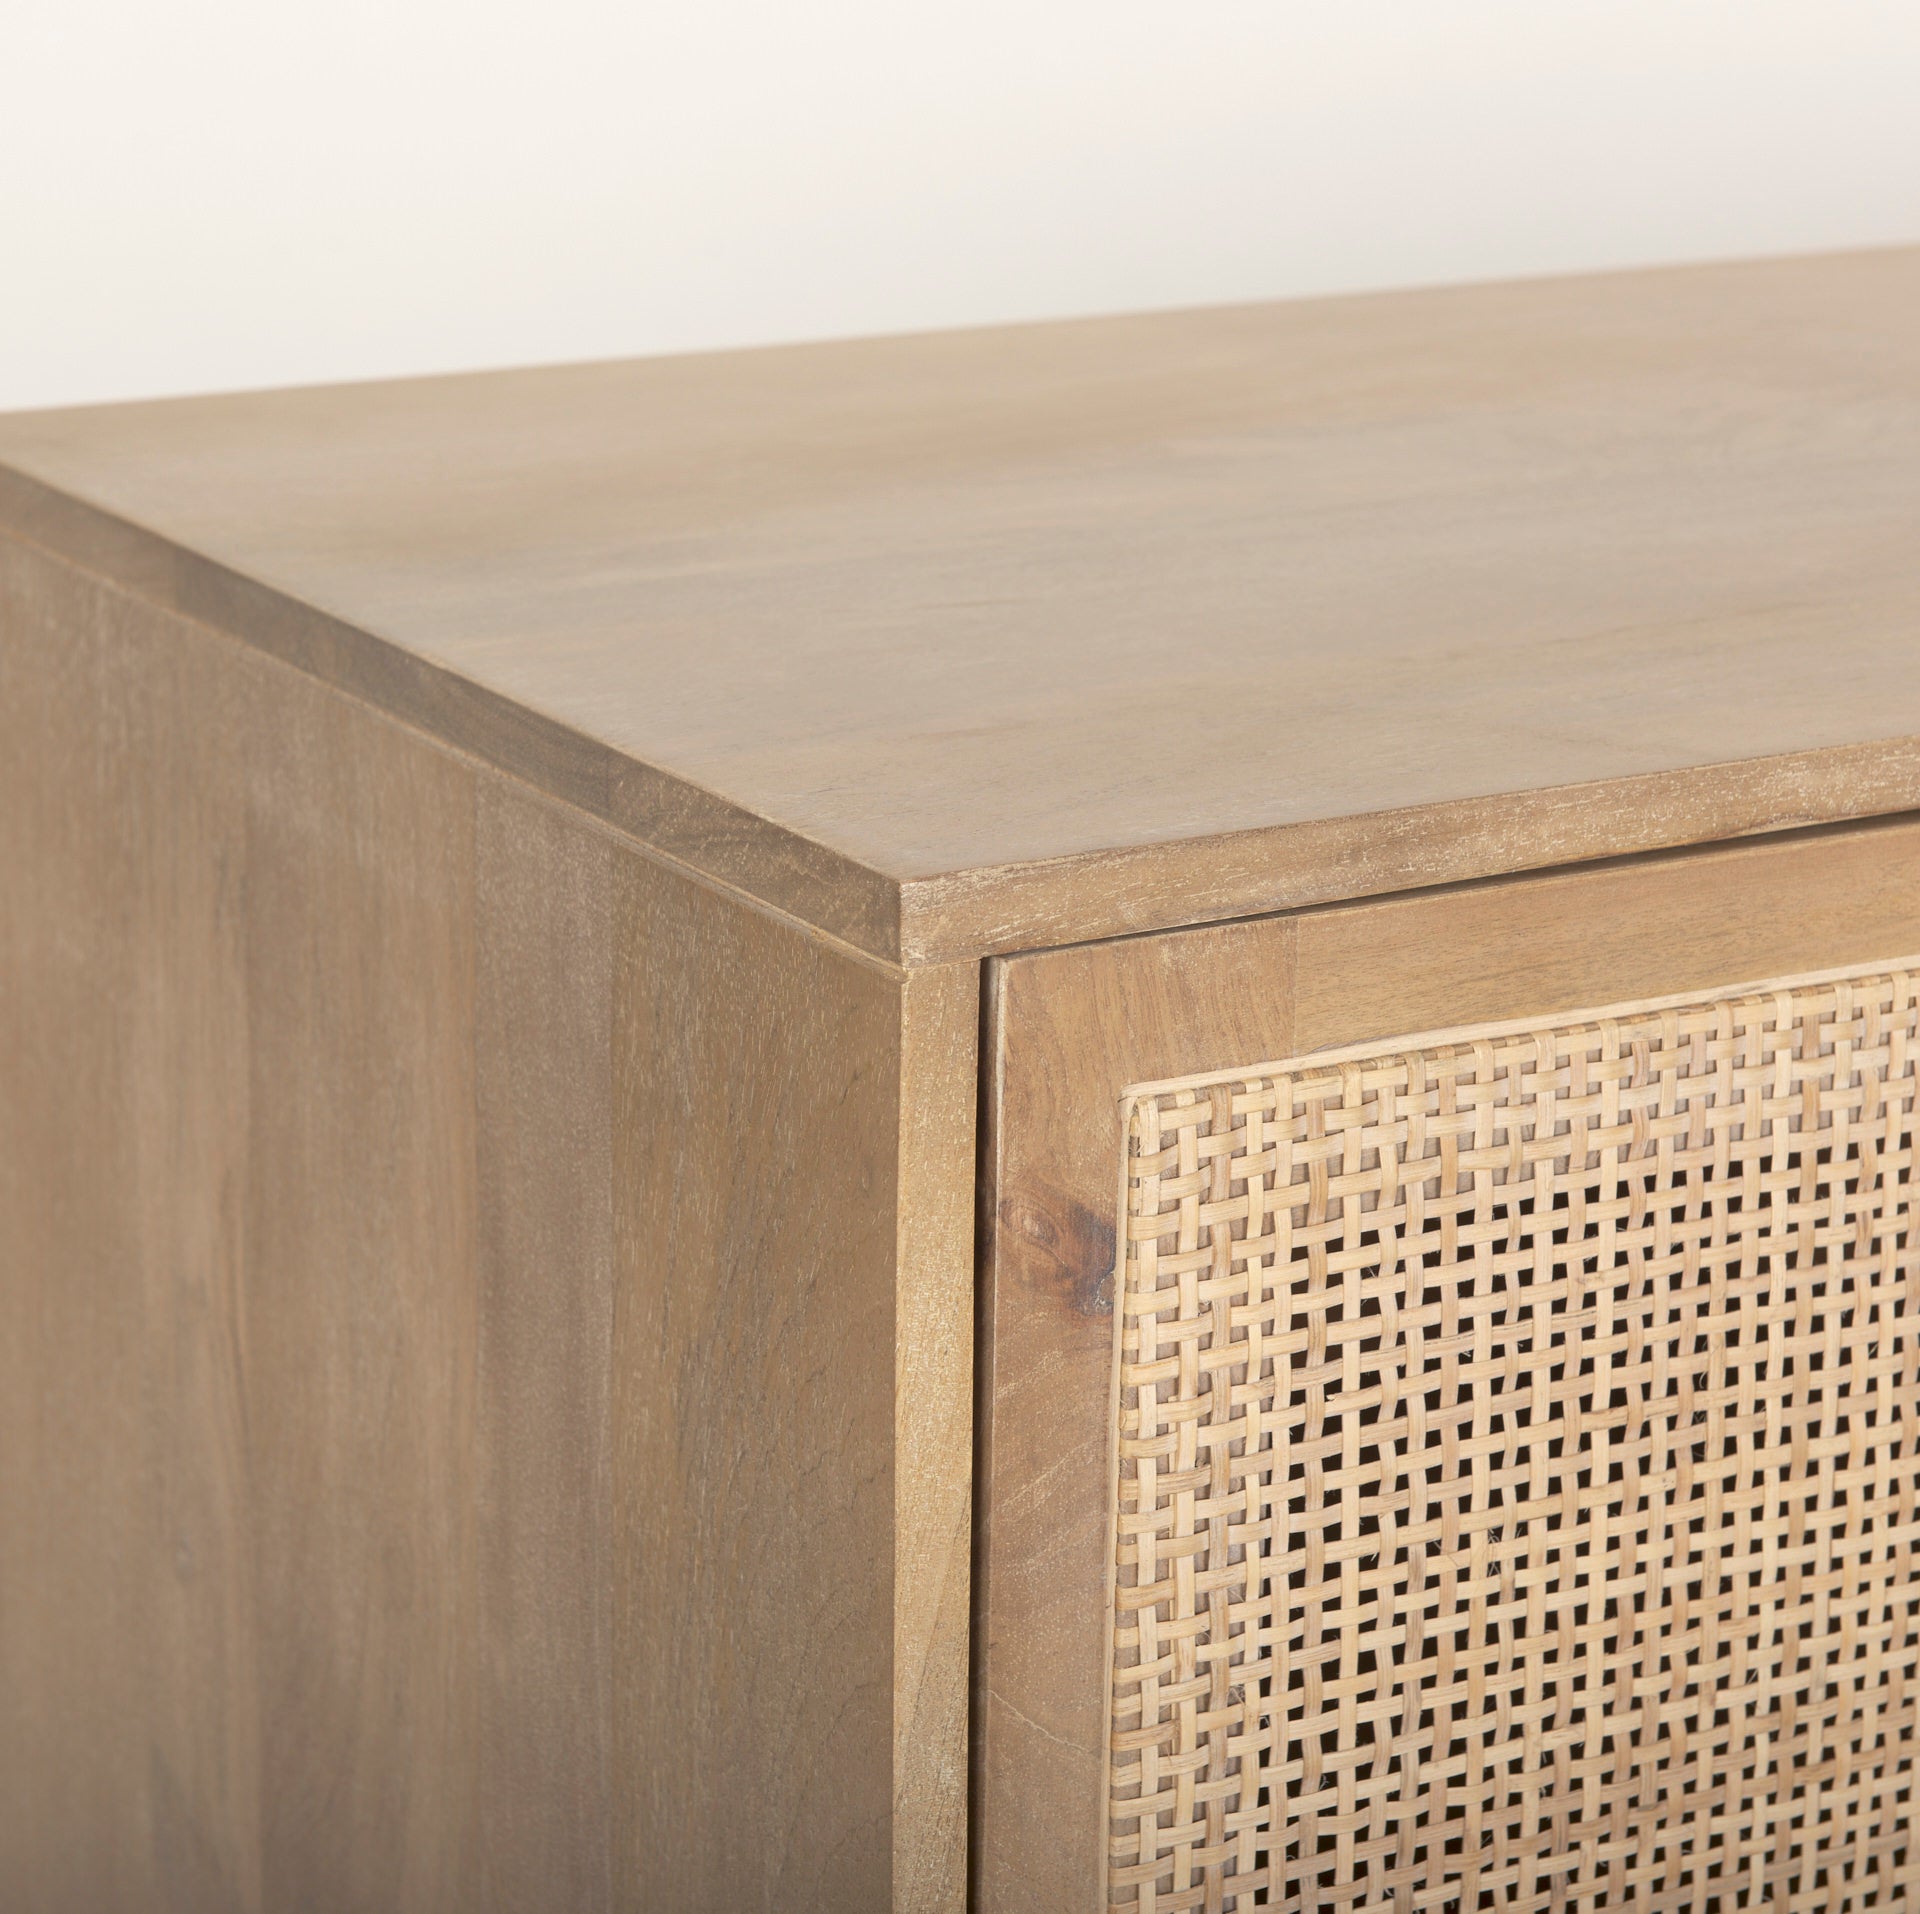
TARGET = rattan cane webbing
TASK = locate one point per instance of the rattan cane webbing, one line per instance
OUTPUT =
(1517, 1482)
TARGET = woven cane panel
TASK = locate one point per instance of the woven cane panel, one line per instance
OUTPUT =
(1516, 1487)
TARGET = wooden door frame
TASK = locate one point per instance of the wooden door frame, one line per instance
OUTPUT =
(1066, 1032)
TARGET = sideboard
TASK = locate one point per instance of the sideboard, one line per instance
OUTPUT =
(1116, 1115)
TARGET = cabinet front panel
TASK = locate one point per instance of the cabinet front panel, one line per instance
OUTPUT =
(1071, 1034)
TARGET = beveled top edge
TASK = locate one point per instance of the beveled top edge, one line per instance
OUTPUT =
(679, 821)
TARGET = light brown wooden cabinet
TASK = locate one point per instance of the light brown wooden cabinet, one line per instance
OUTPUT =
(1114, 1115)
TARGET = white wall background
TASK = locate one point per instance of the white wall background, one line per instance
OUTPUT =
(209, 193)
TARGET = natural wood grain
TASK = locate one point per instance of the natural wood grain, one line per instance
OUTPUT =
(789, 1508)
(1529, 946)
(1066, 1032)
(484, 1329)
(249, 1275)
(1425, 846)
(358, 1333)
(544, 1249)
(1070, 1029)
(933, 1436)
(130, 1724)
(982, 641)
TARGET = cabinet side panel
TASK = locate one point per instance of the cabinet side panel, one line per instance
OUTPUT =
(239, 1583)
(377, 1137)
(544, 1247)
(129, 1705)
(755, 1155)
(359, 1323)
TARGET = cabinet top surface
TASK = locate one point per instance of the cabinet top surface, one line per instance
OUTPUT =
(970, 641)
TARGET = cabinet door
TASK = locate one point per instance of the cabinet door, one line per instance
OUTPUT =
(1589, 1192)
